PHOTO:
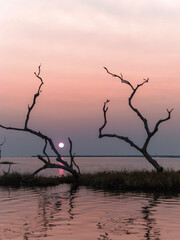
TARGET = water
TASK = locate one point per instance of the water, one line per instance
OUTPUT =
(65, 213)
(68, 213)
(91, 164)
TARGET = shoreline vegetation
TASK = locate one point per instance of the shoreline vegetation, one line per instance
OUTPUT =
(113, 181)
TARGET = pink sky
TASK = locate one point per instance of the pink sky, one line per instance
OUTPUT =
(74, 40)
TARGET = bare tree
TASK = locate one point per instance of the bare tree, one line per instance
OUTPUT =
(149, 133)
(72, 167)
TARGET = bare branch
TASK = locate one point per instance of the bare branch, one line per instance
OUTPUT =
(161, 121)
(70, 152)
(120, 77)
(156, 129)
(101, 135)
(132, 95)
(35, 96)
(126, 139)
(105, 109)
(143, 150)
(42, 159)
(58, 166)
(39, 169)
(72, 156)
(38, 134)
(47, 163)
(141, 84)
(12, 128)
(44, 150)
(144, 120)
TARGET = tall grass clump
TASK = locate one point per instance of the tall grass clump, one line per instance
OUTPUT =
(145, 181)
(15, 179)
(168, 180)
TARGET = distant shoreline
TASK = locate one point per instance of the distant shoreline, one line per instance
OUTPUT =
(121, 156)
(160, 156)
(130, 156)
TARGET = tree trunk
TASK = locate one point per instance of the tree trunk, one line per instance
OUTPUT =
(152, 161)
(76, 175)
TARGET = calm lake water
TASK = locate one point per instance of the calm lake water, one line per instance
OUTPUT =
(68, 213)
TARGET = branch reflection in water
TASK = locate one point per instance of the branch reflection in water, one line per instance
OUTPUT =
(69, 212)
(151, 230)
(49, 207)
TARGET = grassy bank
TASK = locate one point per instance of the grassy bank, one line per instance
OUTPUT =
(134, 181)
(152, 181)
(26, 180)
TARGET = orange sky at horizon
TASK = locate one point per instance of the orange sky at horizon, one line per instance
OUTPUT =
(73, 41)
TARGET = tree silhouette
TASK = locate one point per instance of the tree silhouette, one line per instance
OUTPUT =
(72, 167)
(149, 133)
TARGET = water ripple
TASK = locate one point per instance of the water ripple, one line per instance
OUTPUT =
(86, 214)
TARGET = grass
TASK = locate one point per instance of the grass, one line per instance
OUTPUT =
(145, 181)
(150, 181)
(26, 180)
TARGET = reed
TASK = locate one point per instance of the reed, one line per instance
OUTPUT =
(166, 181)
(27, 180)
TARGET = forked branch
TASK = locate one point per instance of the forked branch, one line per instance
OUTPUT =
(48, 141)
(150, 134)
(161, 121)
(144, 120)
(156, 128)
(101, 135)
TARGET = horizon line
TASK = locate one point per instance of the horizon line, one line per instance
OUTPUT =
(92, 155)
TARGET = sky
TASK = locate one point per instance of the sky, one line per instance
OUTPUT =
(73, 40)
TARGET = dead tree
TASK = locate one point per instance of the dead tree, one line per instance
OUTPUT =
(72, 167)
(149, 133)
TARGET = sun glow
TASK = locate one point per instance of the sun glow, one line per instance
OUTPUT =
(61, 144)
(61, 171)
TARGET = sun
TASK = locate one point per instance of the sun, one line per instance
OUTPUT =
(61, 144)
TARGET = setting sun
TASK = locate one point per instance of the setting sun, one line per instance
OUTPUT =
(91, 145)
(61, 144)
